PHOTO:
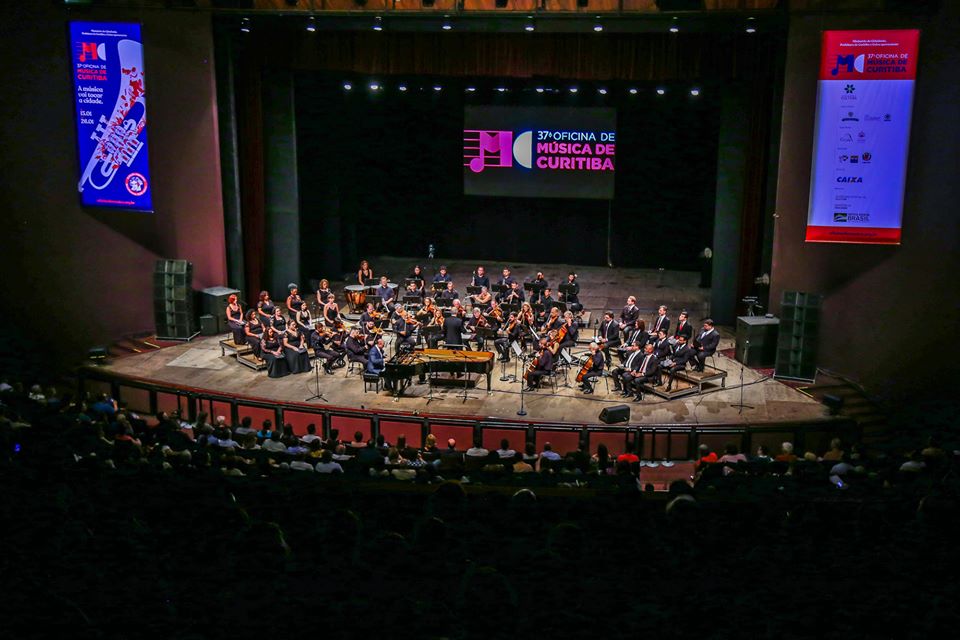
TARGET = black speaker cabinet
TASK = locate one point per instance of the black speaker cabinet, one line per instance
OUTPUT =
(208, 325)
(799, 331)
(213, 301)
(615, 414)
(173, 309)
(757, 340)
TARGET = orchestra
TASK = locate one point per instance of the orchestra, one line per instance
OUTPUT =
(511, 316)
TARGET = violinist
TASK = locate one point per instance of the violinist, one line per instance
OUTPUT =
(403, 328)
(331, 312)
(370, 333)
(480, 278)
(370, 314)
(483, 299)
(323, 292)
(511, 334)
(265, 308)
(592, 369)
(235, 319)
(356, 348)
(436, 320)
(542, 365)
(572, 299)
(294, 301)
(322, 342)
(425, 314)
(573, 331)
(365, 274)
(526, 317)
(470, 326)
(553, 321)
(494, 316)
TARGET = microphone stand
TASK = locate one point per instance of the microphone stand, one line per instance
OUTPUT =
(316, 376)
(746, 356)
(522, 412)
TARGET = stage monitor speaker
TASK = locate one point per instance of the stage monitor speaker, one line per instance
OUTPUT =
(799, 331)
(208, 325)
(213, 301)
(615, 414)
(761, 334)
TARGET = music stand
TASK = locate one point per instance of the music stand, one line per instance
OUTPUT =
(372, 282)
(473, 291)
(562, 306)
(411, 300)
(407, 281)
(510, 308)
(316, 377)
(568, 289)
(426, 331)
(487, 333)
(438, 286)
(501, 288)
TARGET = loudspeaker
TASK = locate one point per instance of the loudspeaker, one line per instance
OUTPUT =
(761, 333)
(615, 414)
(173, 308)
(213, 301)
(799, 330)
(208, 325)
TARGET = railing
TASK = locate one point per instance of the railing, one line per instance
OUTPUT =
(651, 441)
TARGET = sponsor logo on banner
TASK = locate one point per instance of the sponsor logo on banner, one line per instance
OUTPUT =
(851, 63)
(850, 117)
(839, 216)
(849, 179)
(866, 156)
(136, 184)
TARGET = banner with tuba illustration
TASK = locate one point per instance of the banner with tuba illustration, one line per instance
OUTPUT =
(110, 100)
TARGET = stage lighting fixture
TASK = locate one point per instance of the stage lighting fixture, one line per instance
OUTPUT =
(539, 89)
(374, 87)
(694, 92)
(312, 24)
(402, 87)
(602, 91)
(501, 89)
(674, 28)
(633, 91)
(751, 30)
(245, 25)
(447, 26)
(437, 87)
(574, 89)
(378, 24)
(661, 91)
(347, 86)
(529, 27)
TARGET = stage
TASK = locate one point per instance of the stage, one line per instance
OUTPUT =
(201, 365)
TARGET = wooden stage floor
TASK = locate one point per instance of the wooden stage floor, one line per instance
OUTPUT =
(199, 364)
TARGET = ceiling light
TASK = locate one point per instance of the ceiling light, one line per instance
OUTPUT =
(598, 27)
(539, 89)
(374, 87)
(402, 87)
(347, 86)
(633, 91)
(694, 92)
(501, 89)
(661, 91)
(447, 26)
(574, 89)
(751, 30)
(312, 24)
(674, 28)
(602, 92)
(245, 25)
(471, 89)
(378, 24)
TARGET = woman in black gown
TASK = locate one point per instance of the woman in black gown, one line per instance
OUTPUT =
(253, 333)
(304, 323)
(331, 312)
(273, 353)
(294, 301)
(235, 320)
(295, 350)
(323, 292)
(265, 308)
(278, 322)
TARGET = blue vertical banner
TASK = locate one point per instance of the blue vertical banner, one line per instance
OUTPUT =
(110, 98)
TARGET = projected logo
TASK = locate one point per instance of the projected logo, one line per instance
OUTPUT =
(496, 149)
(850, 62)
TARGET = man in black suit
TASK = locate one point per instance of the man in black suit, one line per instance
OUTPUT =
(404, 332)
(507, 279)
(594, 371)
(545, 359)
(540, 285)
(648, 371)
(608, 336)
(706, 344)
(661, 345)
(355, 348)
(513, 296)
(630, 313)
(622, 373)
(452, 332)
(634, 339)
(682, 354)
(661, 322)
(684, 328)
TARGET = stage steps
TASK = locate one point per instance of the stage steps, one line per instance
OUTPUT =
(858, 405)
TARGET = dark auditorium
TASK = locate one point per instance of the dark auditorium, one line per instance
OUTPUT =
(425, 318)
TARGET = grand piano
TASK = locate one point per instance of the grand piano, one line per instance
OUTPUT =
(402, 367)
